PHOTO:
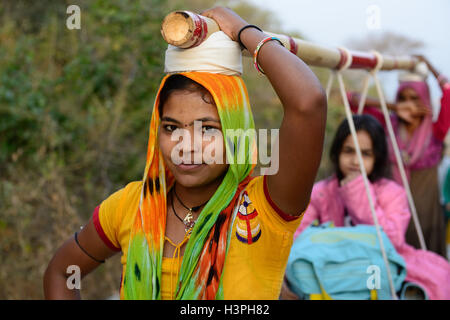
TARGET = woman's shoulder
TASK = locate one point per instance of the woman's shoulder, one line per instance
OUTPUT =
(114, 216)
(133, 187)
(130, 189)
(123, 195)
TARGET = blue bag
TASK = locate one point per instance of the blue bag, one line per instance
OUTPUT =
(343, 263)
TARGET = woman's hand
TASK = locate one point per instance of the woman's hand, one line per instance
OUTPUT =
(228, 20)
(433, 70)
(421, 110)
(404, 111)
(410, 111)
(422, 58)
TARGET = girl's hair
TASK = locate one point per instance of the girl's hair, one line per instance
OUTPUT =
(376, 132)
(178, 82)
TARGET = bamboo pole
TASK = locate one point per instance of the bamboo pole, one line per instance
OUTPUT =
(186, 29)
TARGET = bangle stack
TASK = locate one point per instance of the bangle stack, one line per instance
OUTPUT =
(258, 47)
(242, 29)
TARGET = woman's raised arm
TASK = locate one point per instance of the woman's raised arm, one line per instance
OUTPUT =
(305, 107)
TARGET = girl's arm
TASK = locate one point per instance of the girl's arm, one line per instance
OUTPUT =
(304, 102)
(69, 254)
(391, 207)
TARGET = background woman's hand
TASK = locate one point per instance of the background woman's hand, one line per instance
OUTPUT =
(228, 20)
(421, 58)
(433, 70)
(410, 111)
(421, 110)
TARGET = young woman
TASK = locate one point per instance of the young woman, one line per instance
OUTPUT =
(200, 229)
(342, 199)
(421, 142)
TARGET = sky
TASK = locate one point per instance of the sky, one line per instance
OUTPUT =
(335, 22)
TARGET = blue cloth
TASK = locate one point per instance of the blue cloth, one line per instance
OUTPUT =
(346, 261)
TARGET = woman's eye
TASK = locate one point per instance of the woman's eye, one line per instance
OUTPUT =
(208, 129)
(169, 127)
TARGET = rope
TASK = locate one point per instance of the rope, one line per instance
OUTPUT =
(330, 83)
(365, 89)
(348, 113)
(347, 58)
(364, 92)
(396, 150)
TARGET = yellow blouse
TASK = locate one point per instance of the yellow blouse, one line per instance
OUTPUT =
(261, 240)
(170, 268)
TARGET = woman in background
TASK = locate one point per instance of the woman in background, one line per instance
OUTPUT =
(420, 141)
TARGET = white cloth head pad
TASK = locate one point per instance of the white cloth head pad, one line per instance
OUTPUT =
(217, 54)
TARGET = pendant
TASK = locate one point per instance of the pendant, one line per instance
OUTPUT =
(189, 222)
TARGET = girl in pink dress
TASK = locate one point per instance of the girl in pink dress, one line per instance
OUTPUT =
(342, 199)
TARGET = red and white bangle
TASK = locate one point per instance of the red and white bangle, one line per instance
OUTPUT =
(258, 47)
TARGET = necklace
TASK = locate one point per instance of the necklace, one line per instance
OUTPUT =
(195, 209)
(188, 221)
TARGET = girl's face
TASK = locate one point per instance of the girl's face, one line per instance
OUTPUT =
(190, 138)
(348, 159)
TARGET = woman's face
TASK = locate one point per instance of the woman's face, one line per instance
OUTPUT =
(410, 107)
(409, 94)
(190, 138)
(348, 159)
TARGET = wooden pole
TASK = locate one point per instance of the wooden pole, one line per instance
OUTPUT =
(186, 29)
